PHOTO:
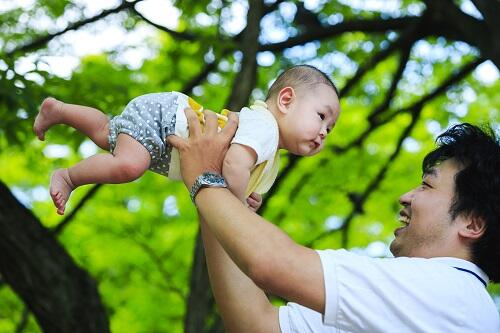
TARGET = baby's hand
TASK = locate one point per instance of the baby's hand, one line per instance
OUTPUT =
(254, 201)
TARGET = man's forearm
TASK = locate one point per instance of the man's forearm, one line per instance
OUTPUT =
(244, 307)
(245, 236)
(262, 251)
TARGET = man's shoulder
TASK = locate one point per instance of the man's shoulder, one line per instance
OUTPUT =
(433, 271)
(420, 286)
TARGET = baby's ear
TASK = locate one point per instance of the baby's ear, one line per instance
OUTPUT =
(285, 98)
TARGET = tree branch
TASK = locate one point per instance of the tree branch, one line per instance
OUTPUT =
(68, 218)
(43, 40)
(272, 7)
(61, 296)
(359, 200)
(247, 76)
(453, 79)
(405, 40)
(444, 18)
(198, 79)
(158, 261)
(176, 34)
(398, 75)
(489, 10)
(371, 25)
(292, 162)
(23, 320)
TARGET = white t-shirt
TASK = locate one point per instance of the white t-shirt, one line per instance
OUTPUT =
(400, 295)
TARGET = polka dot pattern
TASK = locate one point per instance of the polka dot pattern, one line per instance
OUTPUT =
(149, 119)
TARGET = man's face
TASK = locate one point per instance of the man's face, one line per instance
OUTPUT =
(428, 230)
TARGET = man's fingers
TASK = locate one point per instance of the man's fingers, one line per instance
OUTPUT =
(211, 123)
(176, 141)
(231, 126)
(193, 123)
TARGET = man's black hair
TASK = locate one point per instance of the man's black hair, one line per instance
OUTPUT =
(477, 186)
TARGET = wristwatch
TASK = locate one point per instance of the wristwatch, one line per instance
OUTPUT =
(206, 179)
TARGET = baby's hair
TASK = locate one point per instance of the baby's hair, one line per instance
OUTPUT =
(300, 75)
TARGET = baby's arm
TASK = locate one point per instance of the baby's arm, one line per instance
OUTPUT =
(238, 163)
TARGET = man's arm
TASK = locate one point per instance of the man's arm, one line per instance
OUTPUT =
(244, 307)
(260, 249)
(238, 163)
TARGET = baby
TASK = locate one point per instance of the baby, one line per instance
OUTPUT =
(301, 108)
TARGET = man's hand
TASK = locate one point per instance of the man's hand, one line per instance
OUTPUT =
(203, 151)
(254, 201)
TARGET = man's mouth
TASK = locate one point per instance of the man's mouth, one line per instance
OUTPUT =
(405, 219)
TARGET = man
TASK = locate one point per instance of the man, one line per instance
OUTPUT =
(446, 251)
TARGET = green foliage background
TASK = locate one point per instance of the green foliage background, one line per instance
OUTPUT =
(140, 252)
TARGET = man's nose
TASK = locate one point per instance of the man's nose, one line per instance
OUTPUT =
(405, 199)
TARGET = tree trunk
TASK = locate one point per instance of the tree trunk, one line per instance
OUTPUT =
(200, 298)
(61, 295)
(245, 80)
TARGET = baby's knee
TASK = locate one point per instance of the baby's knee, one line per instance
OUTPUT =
(130, 170)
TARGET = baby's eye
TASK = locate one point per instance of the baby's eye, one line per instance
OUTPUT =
(322, 116)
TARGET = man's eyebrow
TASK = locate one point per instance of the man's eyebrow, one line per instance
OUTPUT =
(431, 172)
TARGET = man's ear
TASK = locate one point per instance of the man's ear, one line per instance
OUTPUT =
(472, 227)
(285, 98)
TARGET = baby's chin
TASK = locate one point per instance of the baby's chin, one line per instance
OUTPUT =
(310, 152)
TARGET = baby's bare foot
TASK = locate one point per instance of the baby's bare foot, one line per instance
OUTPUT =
(60, 189)
(47, 116)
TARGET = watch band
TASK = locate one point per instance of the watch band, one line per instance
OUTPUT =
(206, 179)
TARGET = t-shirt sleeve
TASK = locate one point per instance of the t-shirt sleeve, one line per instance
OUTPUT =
(364, 294)
(295, 318)
(258, 130)
(359, 291)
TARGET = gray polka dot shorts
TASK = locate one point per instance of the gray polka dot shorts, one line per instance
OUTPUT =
(149, 119)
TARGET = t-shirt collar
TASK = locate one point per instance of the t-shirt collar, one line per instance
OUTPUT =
(463, 264)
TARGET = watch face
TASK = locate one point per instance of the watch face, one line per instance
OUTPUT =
(207, 179)
(210, 178)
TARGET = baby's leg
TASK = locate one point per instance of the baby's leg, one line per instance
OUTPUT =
(91, 122)
(128, 162)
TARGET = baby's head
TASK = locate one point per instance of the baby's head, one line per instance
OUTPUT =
(305, 104)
